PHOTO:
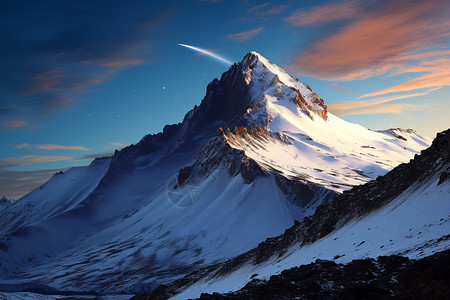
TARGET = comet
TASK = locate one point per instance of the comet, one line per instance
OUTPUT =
(204, 51)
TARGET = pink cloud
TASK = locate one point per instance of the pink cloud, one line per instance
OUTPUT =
(374, 42)
(395, 108)
(14, 184)
(374, 106)
(324, 14)
(50, 147)
(29, 159)
(437, 75)
(15, 123)
(340, 88)
(245, 35)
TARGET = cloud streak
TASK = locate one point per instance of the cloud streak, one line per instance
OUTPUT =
(318, 15)
(437, 75)
(265, 9)
(14, 184)
(47, 70)
(245, 35)
(379, 37)
(49, 147)
(11, 162)
(375, 106)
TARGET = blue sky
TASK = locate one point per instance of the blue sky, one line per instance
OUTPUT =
(82, 78)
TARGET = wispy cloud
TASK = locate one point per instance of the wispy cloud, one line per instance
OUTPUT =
(374, 38)
(15, 123)
(266, 9)
(29, 159)
(338, 87)
(391, 108)
(258, 7)
(49, 147)
(375, 106)
(14, 184)
(117, 145)
(12, 162)
(437, 74)
(44, 73)
(317, 15)
(262, 12)
(94, 156)
(245, 35)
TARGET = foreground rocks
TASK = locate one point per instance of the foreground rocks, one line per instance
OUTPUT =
(388, 277)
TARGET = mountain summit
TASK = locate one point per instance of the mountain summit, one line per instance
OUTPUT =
(259, 152)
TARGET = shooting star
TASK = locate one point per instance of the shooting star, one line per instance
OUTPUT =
(207, 53)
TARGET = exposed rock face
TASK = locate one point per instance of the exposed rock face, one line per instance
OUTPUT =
(250, 170)
(302, 192)
(388, 277)
(399, 132)
(219, 153)
(268, 77)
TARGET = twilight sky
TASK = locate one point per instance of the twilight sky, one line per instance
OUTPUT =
(79, 79)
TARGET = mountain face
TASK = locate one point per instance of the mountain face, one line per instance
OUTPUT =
(258, 153)
(405, 212)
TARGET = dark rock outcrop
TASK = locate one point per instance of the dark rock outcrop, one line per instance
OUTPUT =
(388, 277)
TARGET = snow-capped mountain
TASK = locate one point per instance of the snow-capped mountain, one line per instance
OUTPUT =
(258, 153)
(405, 212)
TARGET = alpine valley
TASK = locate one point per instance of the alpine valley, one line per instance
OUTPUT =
(208, 205)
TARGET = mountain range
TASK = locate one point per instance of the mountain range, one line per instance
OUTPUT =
(211, 200)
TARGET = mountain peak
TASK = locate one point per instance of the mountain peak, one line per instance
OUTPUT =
(265, 78)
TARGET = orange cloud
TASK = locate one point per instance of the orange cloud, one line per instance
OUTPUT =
(16, 123)
(438, 75)
(44, 82)
(374, 106)
(245, 36)
(324, 14)
(257, 7)
(340, 88)
(28, 160)
(50, 147)
(127, 62)
(15, 184)
(264, 9)
(374, 42)
(396, 108)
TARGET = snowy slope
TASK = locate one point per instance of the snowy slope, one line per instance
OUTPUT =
(411, 225)
(198, 192)
(61, 193)
(314, 144)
